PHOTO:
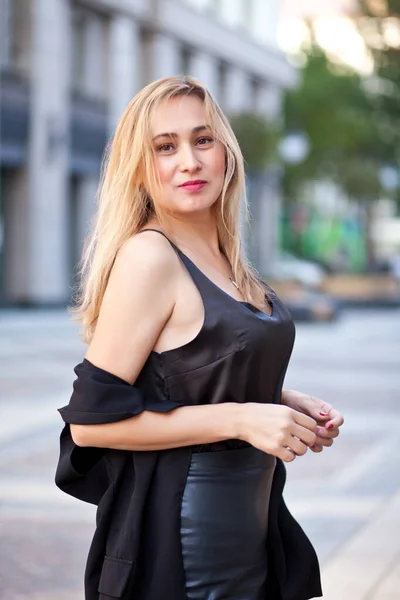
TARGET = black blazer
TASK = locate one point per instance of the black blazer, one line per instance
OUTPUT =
(135, 552)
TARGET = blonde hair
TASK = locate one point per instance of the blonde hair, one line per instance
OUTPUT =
(125, 204)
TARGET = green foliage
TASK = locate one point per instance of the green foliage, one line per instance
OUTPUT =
(329, 106)
(386, 57)
(380, 9)
(334, 108)
(257, 138)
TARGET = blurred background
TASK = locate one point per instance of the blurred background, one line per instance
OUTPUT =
(312, 90)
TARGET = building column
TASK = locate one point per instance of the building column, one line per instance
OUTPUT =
(237, 97)
(269, 212)
(94, 57)
(205, 68)
(46, 257)
(17, 249)
(5, 33)
(125, 65)
(268, 102)
(87, 192)
(164, 58)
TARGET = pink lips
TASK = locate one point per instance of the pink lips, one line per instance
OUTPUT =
(193, 186)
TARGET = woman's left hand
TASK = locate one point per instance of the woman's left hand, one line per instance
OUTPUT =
(328, 419)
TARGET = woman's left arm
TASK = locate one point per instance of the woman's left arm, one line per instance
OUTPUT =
(328, 418)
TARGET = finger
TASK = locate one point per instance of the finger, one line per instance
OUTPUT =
(287, 455)
(324, 440)
(326, 433)
(336, 420)
(304, 420)
(316, 448)
(327, 442)
(298, 446)
(324, 414)
(323, 418)
(325, 409)
(319, 410)
(305, 435)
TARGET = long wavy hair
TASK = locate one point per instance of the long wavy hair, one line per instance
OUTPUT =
(129, 181)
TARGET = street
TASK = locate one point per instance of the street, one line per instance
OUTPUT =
(347, 498)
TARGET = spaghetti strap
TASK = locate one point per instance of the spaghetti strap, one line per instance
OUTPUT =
(200, 280)
(207, 287)
(162, 233)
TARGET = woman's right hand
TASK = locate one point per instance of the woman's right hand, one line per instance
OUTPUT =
(274, 428)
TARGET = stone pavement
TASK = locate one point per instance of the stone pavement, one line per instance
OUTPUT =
(347, 498)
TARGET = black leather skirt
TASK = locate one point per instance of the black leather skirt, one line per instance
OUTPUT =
(224, 521)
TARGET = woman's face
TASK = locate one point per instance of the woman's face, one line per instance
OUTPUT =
(189, 161)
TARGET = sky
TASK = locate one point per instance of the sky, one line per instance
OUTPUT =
(318, 8)
(334, 29)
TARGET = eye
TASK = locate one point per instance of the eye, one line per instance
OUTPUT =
(164, 148)
(205, 140)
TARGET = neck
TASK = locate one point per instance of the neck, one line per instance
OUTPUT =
(199, 235)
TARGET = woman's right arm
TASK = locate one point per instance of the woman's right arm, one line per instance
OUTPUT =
(139, 300)
(271, 428)
(151, 430)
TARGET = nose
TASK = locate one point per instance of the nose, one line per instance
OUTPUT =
(188, 159)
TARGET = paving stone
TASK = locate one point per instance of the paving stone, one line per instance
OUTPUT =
(37, 557)
(345, 498)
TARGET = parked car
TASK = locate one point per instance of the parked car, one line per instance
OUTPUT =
(306, 304)
(306, 272)
(311, 305)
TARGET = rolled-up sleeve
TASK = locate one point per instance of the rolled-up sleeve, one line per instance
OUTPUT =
(101, 397)
(98, 397)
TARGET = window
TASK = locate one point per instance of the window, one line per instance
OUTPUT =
(15, 34)
(78, 48)
(185, 61)
(222, 84)
(255, 86)
(90, 48)
(5, 33)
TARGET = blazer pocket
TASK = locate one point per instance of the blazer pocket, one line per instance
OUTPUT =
(115, 576)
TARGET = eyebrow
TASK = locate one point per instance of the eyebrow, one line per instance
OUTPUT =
(175, 135)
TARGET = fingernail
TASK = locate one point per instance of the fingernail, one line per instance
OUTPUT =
(330, 426)
(323, 414)
(312, 447)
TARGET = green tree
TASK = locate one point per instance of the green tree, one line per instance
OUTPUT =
(334, 107)
(380, 27)
(258, 139)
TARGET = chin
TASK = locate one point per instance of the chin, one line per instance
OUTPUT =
(193, 205)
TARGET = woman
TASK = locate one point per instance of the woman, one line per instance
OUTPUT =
(178, 427)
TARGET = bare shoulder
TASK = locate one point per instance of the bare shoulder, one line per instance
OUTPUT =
(144, 273)
(147, 252)
(138, 301)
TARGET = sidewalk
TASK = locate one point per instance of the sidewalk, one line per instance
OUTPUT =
(347, 498)
(368, 566)
(354, 520)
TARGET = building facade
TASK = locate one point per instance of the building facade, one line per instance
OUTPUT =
(68, 70)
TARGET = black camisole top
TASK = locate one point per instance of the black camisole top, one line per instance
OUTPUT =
(239, 355)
